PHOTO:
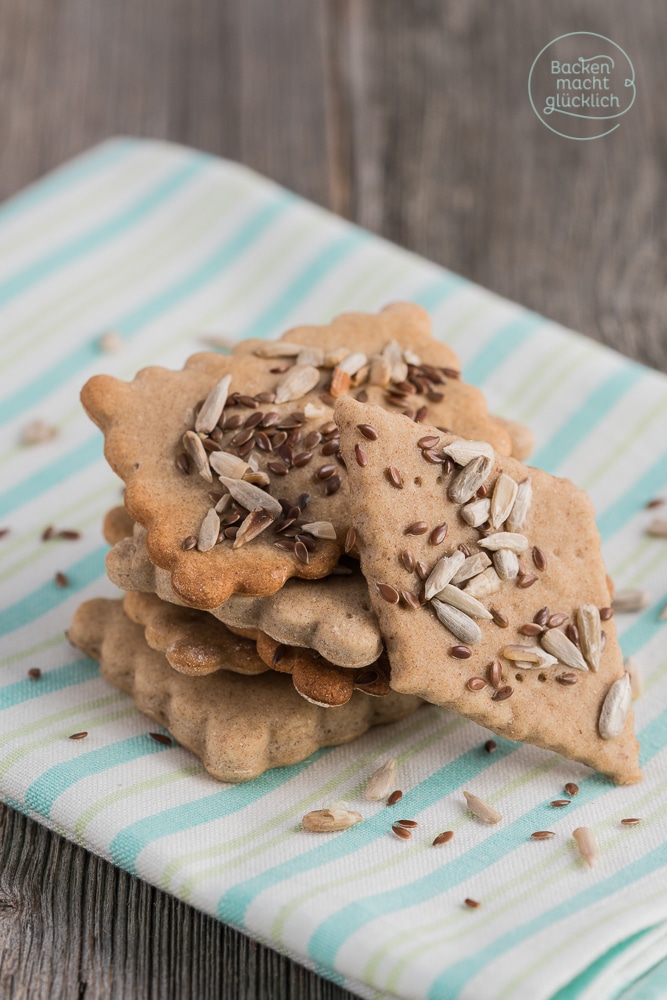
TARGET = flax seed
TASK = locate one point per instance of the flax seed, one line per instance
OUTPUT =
(368, 431)
(503, 693)
(332, 485)
(571, 788)
(472, 904)
(417, 528)
(301, 552)
(350, 540)
(531, 629)
(490, 746)
(542, 835)
(501, 620)
(394, 477)
(401, 832)
(559, 803)
(78, 736)
(387, 593)
(183, 463)
(632, 821)
(61, 580)
(606, 614)
(460, 652)
(567, 678)
(395, 797)
(34, 673)
(495, 674)
(361, 456)
(443, 838)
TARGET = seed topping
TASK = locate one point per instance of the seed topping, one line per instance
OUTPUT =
(395, 797)
(387, 593)
(478, 807)
(443, 838)
(542, 835)
(381, 781)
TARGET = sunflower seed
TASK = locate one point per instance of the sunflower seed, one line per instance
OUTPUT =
(195, 449)
(588, 623)
(380, 371)
(209, 531)
(463, 452)
(411, 358)
(465, 485)
(257, 478)
(558, 644)
(636, 683)
(463, 601)
(458, 623)
(630, 600)
(320, 529)
(502, 500)
(473, 566)
(334, 357)
(254, 524)
(658, 527)
(313, 356)
(278, 349)
(615, 708)
(313, 412)
(482, 809)
(250, 496)
(476, 512)
(443, 838)
(393, 355)
(505, 540)
(587, 844)
(517, 517)
(352, 363)
(213, 406)
(299, 380)
(484, 584)
(506, 564)
(37, 432)
(442, 573)
(529, 656)
(381, 781)
(330, 820)
(228, 465)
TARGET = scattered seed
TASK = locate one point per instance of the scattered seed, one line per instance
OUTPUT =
(37, 432)
(183, 463)
(529, 656)
(161, 738)
(462, 600)
(407, 824)
(320, 529)
(615, 708)
(460, 652)
(495, 674)
(189, 543)
(407, 560)
(542, 835)
(482, 809)
(330, 820)
(411, 600)
(587, 844)
(531, 628)
(257, 521)
(472, 566)
(457, 622)
(417, 528)
(298, 381)
(476, 513)
(476, 684)
(606, 614)
(192, 444)
(213, 406)
(567, 678)
(630, 600)
(381, 781)
(230, 532)
(401, 832)
(387, 593)
(395, 797)
(48, 533)
(472, 904)
(61, 580)
(78, 736)
(571, 788)
(68, 535)
(503, 693)
(559, 803)
(438, 534)
(429, 441)
(394, 477)
(501, 620)
(658, 527)
(443, 838)
(465, 452)
(361, 456)
(34, 673)
(490, 746)
(505, 540)
(632, 821)
(636, 681)
(539, 559)
(332, 485)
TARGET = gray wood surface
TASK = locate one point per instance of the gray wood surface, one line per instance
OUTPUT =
(410, 117)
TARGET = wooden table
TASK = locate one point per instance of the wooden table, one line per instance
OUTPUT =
(412, 118)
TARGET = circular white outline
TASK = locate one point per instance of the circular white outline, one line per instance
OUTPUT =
(630, 83)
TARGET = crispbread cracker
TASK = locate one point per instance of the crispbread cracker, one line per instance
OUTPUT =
(148, 422)
(192, 641)
(238, 726)
(332, 616)
(540, 709)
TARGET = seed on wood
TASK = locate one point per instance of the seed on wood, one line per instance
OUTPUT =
(539, 559)
(503, 693)
(34, 673)
(606, 614)
(571, 788)
(394, 477)
(395, 797)
(401, 832)
(443, 838)
(438, 534)
(631, 821)
(381, 781)
(476, 684)
(542, 835)
(368, 431)
(301, 552)
(587, 844)
(417, 528)
(482, 809)
(559, 803)
(61, 580)
(567, 678)
(460, 652)
(490, 746)
(330, 820)
(78, 736)
(183, 463)
(361, 456)
(332, 485)
(531, 629)
(411, 600)
(495, 674)
(387, 593)
(350, 540)
(501, 620)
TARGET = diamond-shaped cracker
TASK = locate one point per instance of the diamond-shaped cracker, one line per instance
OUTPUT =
(167, 439)
(238, 726)
(552, 691)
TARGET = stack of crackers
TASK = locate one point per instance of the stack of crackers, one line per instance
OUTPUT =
(322, 532)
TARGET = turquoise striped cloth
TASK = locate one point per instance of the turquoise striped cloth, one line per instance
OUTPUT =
(162, 244)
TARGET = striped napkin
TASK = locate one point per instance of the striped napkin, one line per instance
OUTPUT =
(163, 245)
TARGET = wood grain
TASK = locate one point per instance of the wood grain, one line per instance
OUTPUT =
(411, 119)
